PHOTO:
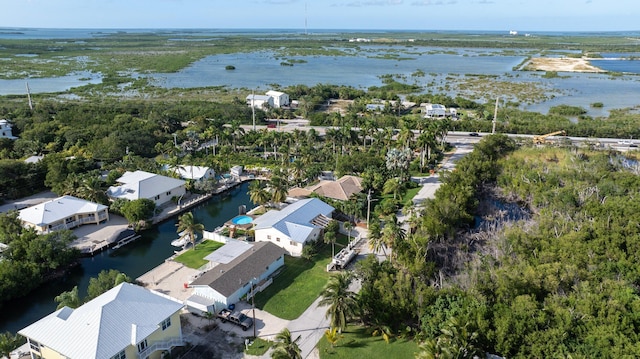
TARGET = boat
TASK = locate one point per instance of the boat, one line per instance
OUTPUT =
(180, 242)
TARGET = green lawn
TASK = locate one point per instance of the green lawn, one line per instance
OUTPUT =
(299, 283)
(409, 194)
(194, 258)
(259, 347)
(357, 342)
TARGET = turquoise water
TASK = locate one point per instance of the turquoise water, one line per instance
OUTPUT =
(242, 220)
(134, 259)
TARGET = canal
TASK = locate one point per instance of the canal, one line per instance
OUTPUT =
(134, 259)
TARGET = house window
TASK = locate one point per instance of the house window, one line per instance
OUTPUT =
(269, 236)
(121, 355)
(295, 244)
(168, 193)
(156, 197)
(166, 323)
(278, 239)
(142, 346)
(35, 346)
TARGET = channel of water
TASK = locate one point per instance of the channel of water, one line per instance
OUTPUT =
(134, 259)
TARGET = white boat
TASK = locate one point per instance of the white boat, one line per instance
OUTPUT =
(180, 242)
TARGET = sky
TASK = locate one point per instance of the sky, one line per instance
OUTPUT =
(501, 15)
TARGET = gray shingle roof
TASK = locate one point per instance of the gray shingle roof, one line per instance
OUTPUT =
(227, 278)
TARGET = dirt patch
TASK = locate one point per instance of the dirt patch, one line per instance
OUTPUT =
(561, 64)
(333, 106)
(207, 340)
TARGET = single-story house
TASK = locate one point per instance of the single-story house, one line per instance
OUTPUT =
(230, 280)
(375, 107)
(141, 184)
(260, 101)
(127, 321)
(280, 99)
(435, 110)
(341, 189)
(64, 212)
(293, 226)
(196, 173)
(5, 130)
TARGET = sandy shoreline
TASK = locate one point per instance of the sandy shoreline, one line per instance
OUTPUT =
(561, 64)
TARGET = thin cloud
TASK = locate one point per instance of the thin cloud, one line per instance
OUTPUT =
(432, 3)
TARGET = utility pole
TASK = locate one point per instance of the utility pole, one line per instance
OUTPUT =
(253, 109)
(253, 305)
(29, 96)
(495, 116)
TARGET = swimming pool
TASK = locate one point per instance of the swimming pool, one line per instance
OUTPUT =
(241, 220)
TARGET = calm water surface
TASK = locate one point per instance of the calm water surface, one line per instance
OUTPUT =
(134, 259)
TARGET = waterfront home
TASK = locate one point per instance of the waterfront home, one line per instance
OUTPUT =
(280, 99)
(141, 184)
(435, 110)
(64, 212)
(5, 130)
(236, 171)
(259, 101)
(195, 173)
(341, 189)
(292, 227)
(229, 281)
(127, 321)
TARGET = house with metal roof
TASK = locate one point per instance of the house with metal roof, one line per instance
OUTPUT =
(230, 280)
(127, 321)
(259, 101)
(293, 226)
(435, 110)
(66, 212)
(195, 173)
(280, 99)
(141, 184)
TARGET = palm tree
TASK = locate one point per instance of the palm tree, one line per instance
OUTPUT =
(258, 193)
(348, 227)
(69, 299)
(340, 299)
(392, 185)
(8, 343)
(285, 347)
(187, 225)
(332, 336)
(330, 237)
(92, 189)
(279, 187)
(376, 242)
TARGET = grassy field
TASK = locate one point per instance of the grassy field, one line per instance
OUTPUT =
(298, 285)
(194, 258)
(258, 347)
(357, 342)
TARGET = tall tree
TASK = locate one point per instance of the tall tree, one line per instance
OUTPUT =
(8, 343)
(340, 299)
(258, 193)
(69, 299)
(189, 227)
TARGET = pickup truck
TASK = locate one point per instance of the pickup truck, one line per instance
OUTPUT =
(235, 317)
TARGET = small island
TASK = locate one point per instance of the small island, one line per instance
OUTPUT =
(229, 67)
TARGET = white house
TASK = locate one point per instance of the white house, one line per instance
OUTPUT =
(260, 101)
(196, 173)
(127, 321)
(435, 110)
(293, 226)
(280, 99)
(65, 212)
(141, 184)
(5, 130)
(230, 280)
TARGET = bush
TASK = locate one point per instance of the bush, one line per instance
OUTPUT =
(229, 67)
(597, 105)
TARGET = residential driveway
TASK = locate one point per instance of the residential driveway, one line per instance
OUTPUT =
(28, 201)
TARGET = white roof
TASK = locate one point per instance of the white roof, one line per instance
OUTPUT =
(259, 98)
(192, 172)
(435, 106)
(295, 219)
(34, 159)
(58, 209)
(275, 93)
(141, 184)
(228, 252)
(105, 325)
